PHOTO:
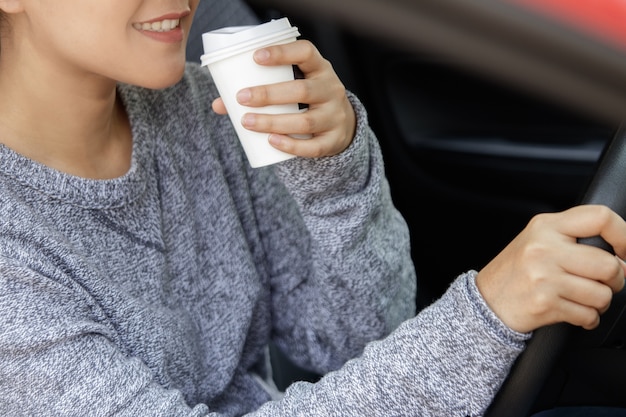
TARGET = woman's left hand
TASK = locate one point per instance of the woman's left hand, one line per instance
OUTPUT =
(330, 118)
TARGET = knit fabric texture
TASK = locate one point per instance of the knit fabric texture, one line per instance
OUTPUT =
(157, 293)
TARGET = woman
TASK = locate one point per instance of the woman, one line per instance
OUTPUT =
(145, 266)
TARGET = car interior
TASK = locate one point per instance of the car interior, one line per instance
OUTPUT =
(487, 113)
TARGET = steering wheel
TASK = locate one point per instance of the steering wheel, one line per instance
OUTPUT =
(519, 393)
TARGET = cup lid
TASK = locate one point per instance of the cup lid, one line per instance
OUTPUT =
(236, 38)
(233, 35)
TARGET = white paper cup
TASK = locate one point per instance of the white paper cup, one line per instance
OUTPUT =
(228, 54)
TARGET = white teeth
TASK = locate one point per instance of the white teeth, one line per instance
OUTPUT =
(162, 26)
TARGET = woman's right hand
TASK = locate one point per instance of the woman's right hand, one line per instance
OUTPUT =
(545, 276)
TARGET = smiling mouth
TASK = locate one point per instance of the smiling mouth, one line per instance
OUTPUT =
(160, 26)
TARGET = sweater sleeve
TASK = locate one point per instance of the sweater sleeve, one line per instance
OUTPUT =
(345, 277)
(449, 360)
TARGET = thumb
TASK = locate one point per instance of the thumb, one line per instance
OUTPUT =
(218, 106)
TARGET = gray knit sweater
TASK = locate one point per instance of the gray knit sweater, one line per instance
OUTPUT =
(156, 294)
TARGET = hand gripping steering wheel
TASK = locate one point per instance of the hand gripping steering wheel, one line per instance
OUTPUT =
(526, 381)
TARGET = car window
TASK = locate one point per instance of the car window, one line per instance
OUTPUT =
(603, 19)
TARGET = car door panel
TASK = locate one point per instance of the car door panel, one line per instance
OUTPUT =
(488, 113)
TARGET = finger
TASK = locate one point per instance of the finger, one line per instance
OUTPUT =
(593, 220)
(586, 292)
(326, 141)
(218, 106)
(578, 315)
(622, 264)
(296, 91)
(550, 306)
(307, 122)
(595, 264)
(301, 52)
(315, 147)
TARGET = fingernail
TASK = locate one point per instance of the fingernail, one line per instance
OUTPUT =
(244, 96)
(261, 55)
(275, 140)
(248, 120)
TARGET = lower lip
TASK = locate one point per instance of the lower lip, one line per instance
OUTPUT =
(171, 36)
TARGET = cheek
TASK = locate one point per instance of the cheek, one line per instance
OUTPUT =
(133, 58)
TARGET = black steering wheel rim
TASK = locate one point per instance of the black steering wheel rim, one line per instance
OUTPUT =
(520, 390)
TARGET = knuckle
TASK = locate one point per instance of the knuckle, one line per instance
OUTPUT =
(608, 273)
(533, 252)
(602, 213)
(605, 296)
(308, 123)
(259, 94)
(610, 270)
(339, 90)
(589, 319)
(540, 304)
(541, 220)
(309, 49)
(265, 123)
(304, 90)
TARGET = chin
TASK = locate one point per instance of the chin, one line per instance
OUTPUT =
(162, 78)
